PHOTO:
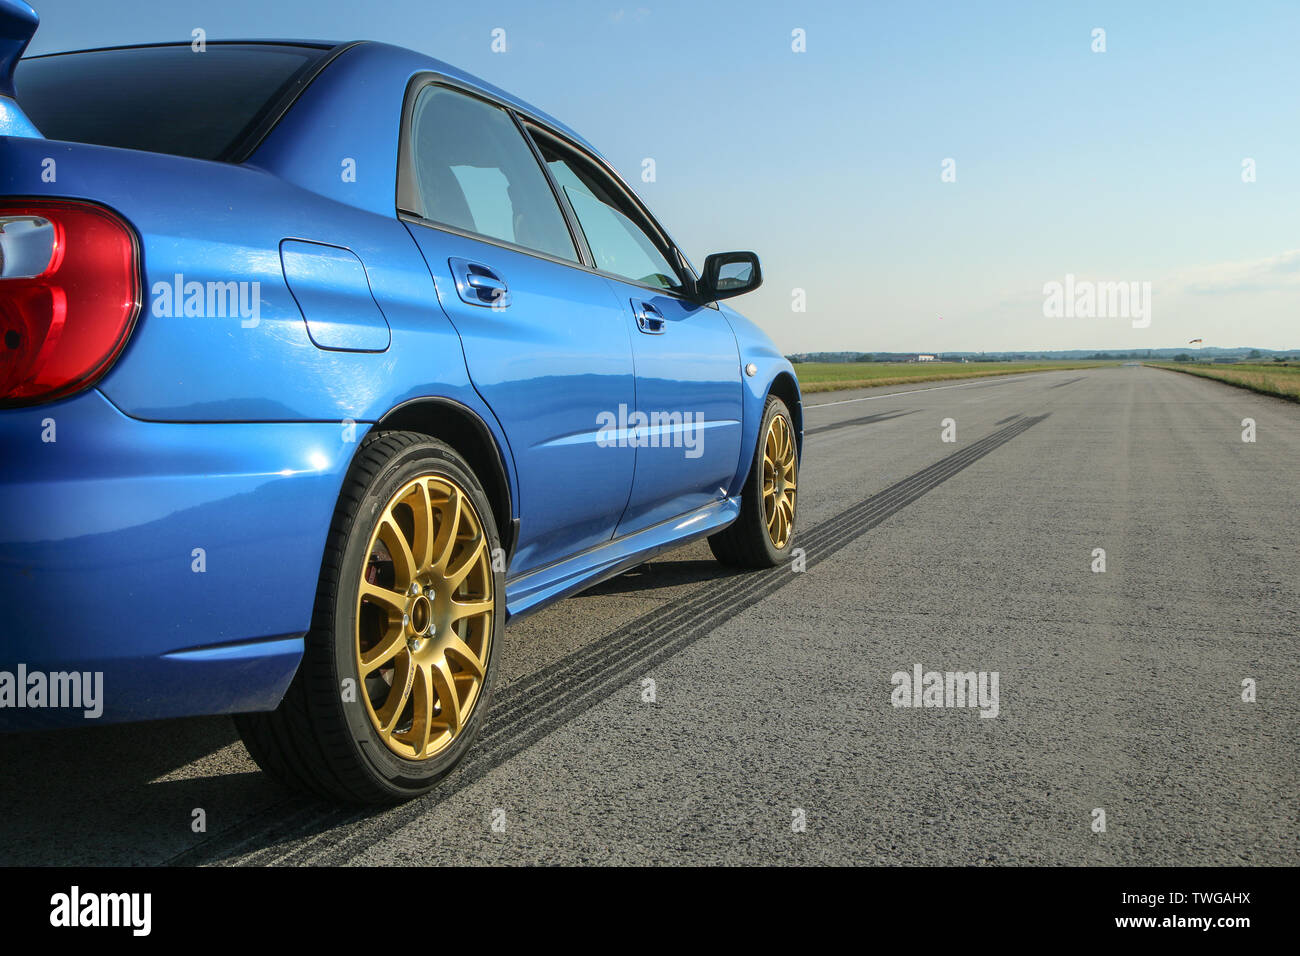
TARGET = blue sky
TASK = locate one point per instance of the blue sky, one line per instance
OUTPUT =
(1117, 166)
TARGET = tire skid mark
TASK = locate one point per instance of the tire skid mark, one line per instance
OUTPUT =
(535, 706)
(655, 625)
(865, 420)
(279, 822)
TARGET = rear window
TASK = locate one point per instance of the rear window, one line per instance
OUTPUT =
(167, 99)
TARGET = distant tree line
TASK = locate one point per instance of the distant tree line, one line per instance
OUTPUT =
(1103, 355)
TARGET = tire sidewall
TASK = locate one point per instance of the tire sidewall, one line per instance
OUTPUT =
(771, 410)
(393, 773)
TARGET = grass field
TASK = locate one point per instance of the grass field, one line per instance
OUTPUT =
(827, 376)
(1276, 379)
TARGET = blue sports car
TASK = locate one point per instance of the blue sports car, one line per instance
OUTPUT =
(318, 363)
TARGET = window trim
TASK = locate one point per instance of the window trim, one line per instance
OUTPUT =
(655, 233)
(408, 209)
(489, 240)
(409, 204)
(575, 227)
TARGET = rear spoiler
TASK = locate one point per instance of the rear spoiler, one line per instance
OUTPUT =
(18, 24)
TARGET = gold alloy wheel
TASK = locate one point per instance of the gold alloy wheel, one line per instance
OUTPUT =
(779, 472)
(424, 617)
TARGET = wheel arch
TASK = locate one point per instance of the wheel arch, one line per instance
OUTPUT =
(786, 388)
(464, 430)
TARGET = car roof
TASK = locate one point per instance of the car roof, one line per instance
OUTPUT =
(334, 47)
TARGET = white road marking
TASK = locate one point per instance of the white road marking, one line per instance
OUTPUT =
(933, 388)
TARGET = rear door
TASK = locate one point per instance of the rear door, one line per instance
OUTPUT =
(688, 388)
(546, 343)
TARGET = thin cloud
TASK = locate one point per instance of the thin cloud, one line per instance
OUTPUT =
(1272, 274)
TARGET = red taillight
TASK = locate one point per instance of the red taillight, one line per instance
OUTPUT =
(69, 295)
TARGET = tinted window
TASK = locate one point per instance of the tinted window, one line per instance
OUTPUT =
(474, 170)
(620, 243)
(161, 99)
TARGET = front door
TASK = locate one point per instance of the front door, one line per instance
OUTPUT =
(686, 420)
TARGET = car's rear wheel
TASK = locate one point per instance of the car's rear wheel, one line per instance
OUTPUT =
(763, 535)
(398, 666)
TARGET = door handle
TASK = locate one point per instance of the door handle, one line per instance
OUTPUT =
(648, 319)
(478, 284)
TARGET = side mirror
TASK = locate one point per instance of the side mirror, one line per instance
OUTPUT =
(727, 274)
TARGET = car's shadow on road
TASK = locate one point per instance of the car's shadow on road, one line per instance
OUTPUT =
(123, 794)
(133, 794)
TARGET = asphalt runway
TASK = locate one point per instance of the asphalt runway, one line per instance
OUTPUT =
(769, 733)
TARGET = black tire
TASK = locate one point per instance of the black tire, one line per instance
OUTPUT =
(315, 740)
(745, 543)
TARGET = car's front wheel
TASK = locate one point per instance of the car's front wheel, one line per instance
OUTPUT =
(763, 535)
(397, 670)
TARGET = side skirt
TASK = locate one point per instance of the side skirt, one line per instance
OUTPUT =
(536, 589)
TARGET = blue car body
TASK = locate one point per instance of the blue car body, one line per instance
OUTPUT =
(148, 539)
